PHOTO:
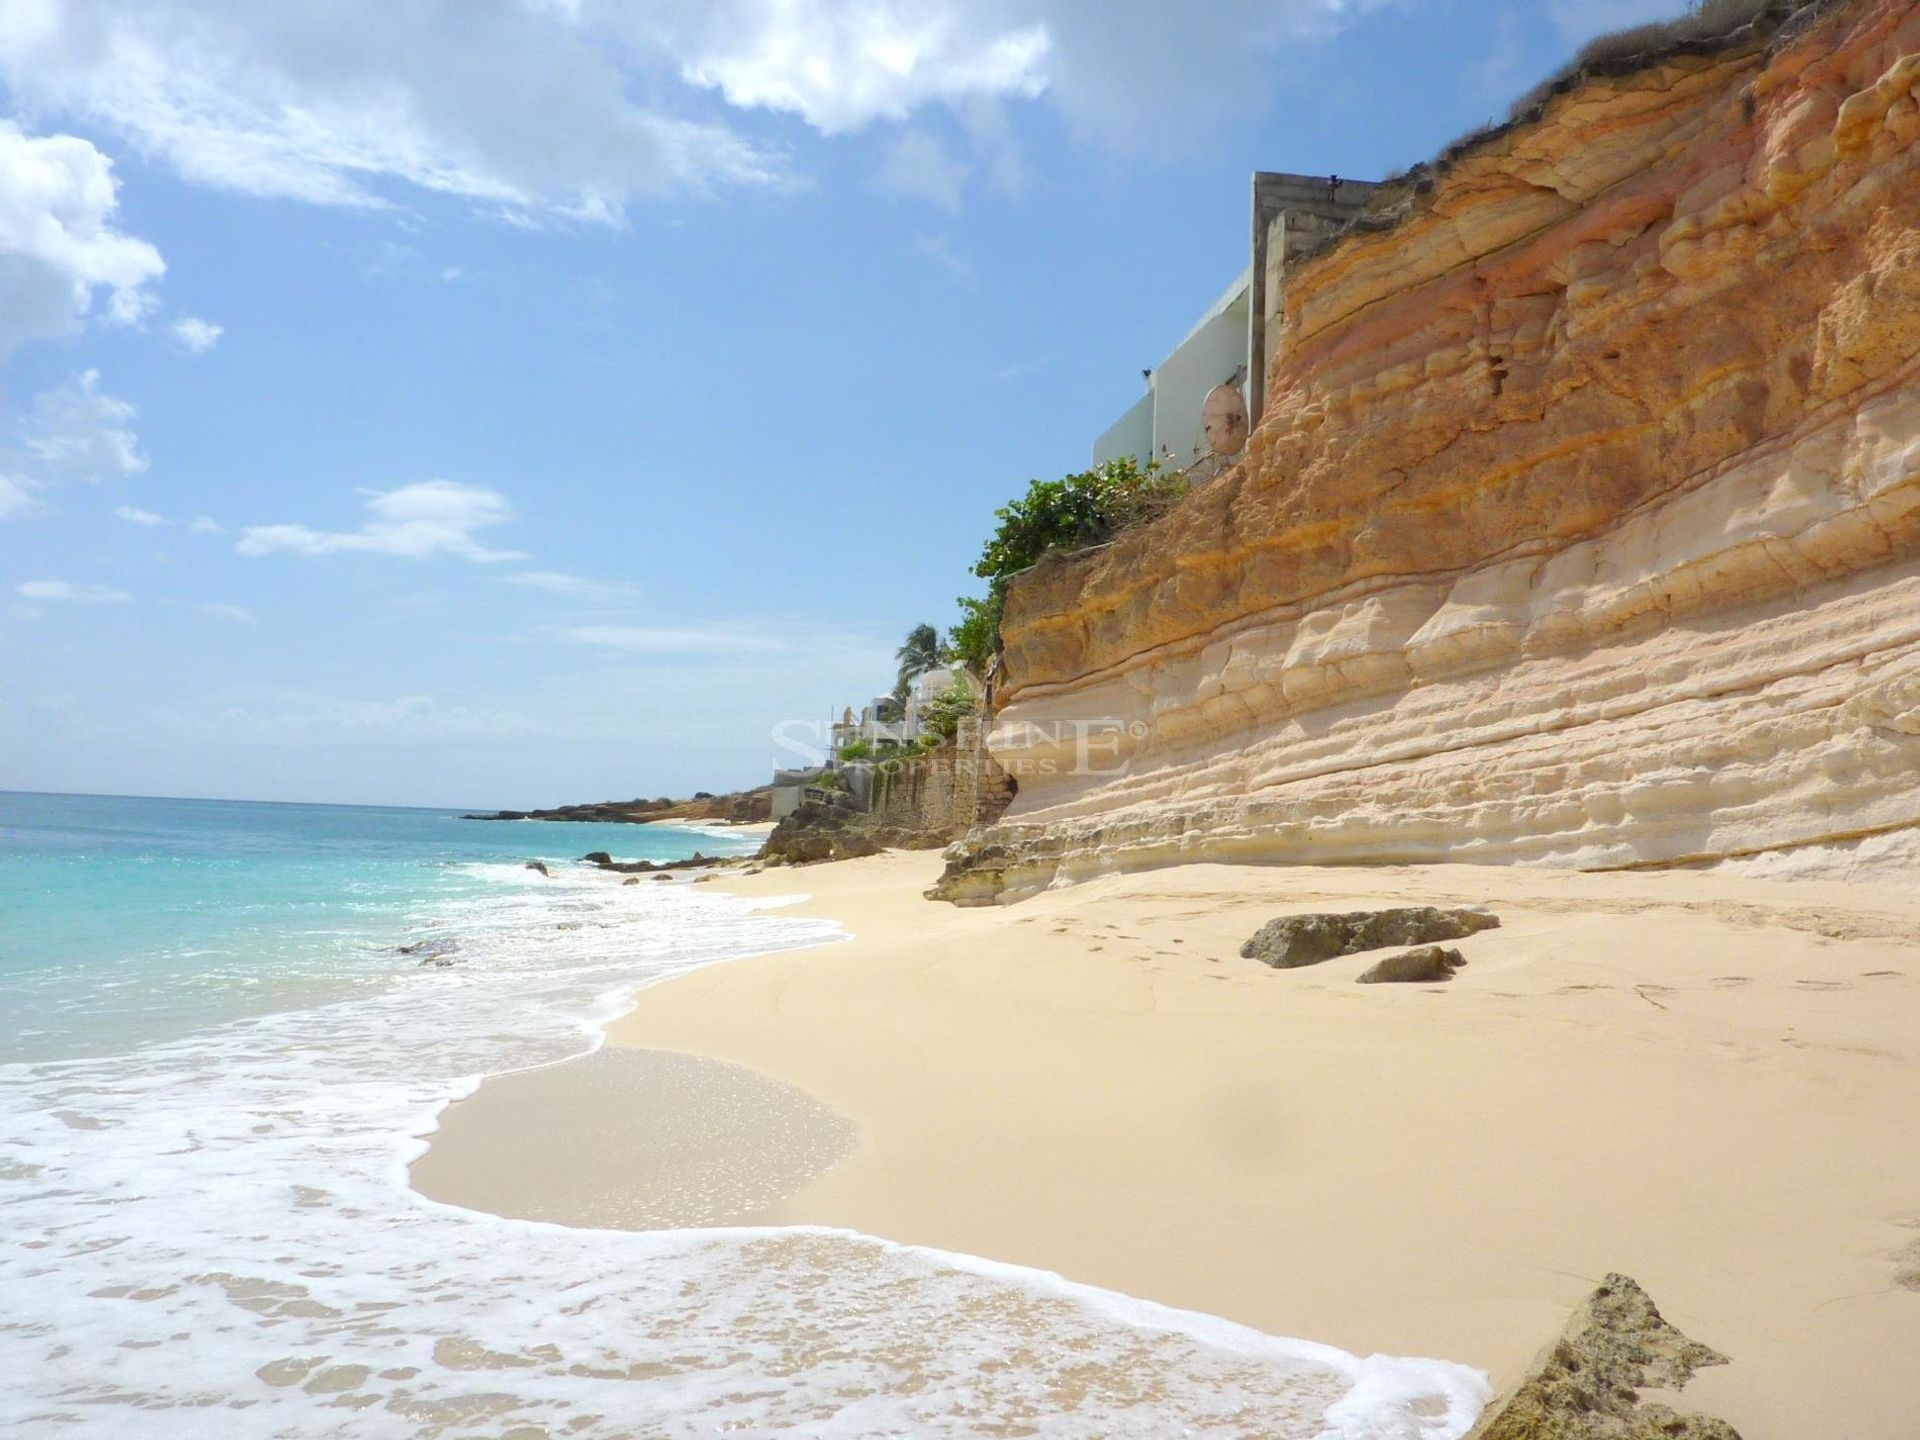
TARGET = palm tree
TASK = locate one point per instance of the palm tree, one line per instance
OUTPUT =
(920, 654)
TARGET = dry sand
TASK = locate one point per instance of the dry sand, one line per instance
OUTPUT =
(1711, 1084)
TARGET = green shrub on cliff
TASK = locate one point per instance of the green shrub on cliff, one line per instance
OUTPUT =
(1071, 513)
(972, 642)
(1075, 511)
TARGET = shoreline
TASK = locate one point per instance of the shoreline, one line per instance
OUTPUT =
(1704, 1082)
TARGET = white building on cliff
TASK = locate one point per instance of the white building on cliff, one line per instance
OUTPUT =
(1230, 344)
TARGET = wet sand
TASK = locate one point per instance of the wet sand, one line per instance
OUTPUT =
(627, 1139)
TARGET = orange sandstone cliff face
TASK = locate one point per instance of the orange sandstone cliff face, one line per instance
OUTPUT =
(1582, 526)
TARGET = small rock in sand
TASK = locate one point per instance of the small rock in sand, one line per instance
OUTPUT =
(1429, 962)
(1295, 940)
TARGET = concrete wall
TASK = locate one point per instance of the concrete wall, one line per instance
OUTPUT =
(939, 795)
(1214, 353)
(1131, 436)
(1291, 214)
(1166, 422)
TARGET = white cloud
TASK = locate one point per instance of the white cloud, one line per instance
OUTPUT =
(991, 130)
(573, 587)
(16, 496)
(63, 590)
(940, 251)
(58, 246)
(522, 108)
(434, 517)
(197, 336)
(673, 640)
(919, 166)
(239, 614)
(78, 432)
(151, 520)
(576, 109)
(72, 433)
(841, 66)
(1127, 73)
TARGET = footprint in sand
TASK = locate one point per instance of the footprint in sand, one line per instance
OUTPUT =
(1882, 974)
(1727, 982)
(1821, 985)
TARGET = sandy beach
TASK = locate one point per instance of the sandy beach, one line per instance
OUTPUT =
(1705, 1082)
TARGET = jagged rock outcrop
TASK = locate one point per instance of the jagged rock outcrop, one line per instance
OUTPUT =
(815, 832)
(1585, 1385)
(601, 860)
(741, 807)
(1582, 526)
(1296, 940)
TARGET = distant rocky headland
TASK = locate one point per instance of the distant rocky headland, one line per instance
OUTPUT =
(741, 807)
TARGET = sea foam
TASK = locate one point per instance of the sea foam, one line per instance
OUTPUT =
(214, 1237)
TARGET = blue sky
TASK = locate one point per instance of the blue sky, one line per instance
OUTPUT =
(508, 402)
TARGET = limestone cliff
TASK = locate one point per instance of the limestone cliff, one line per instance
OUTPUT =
(1582, 525)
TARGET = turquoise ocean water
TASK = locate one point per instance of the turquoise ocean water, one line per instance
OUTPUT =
(129, 920)
(216, 1064)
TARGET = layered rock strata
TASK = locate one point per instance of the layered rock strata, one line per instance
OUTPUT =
(1582, 525)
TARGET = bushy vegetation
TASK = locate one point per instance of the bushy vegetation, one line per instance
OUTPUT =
(974, 639)
(947, 709)
(1705, 20)
(1073, 512)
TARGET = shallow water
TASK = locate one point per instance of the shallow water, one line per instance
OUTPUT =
(218, 1075)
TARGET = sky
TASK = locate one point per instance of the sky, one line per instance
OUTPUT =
(514, 402)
